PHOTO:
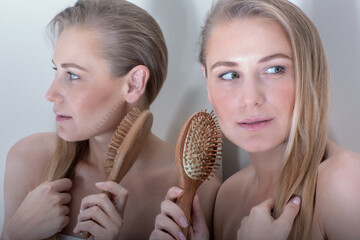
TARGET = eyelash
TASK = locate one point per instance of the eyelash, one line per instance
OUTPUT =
(234, 75)
(281, 68)
(72, 76)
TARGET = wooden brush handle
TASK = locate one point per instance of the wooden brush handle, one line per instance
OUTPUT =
(185, 201)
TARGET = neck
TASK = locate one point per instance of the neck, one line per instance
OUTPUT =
(98, 145)
(268, 166)
(97, 149)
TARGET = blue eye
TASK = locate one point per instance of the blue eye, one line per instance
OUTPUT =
(73, 76)
(275, 70)
(229, 75)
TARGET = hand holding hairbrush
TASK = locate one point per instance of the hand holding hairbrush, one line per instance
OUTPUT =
(125, 146)
(198, 150)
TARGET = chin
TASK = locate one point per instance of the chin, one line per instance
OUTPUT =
(70, 137)
(255, 146)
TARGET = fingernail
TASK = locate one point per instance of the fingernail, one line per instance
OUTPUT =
(178, 190)
(99, 184)
(183, 222)
(181, 236)
(296, 201)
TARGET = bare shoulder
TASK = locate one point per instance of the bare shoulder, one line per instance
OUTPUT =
(159, 167)
(338, 192)
(40, 145)
(235, 182)
(30, 155)
(25, 164)
(340, 169)
(229, 195)
(161, 153)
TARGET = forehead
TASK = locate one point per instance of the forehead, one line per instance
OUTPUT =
(247, 36)
(76, 41)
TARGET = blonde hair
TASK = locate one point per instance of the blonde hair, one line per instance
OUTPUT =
(308, 134)
(128, 36)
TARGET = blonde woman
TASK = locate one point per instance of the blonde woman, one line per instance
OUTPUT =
(268, 80)
(109, 57)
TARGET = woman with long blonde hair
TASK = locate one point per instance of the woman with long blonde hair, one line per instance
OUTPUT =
(268, 80)
(109, 56)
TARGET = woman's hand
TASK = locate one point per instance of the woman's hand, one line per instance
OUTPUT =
(261, 225)
(43, 212)
(99, 215)
(172, 220)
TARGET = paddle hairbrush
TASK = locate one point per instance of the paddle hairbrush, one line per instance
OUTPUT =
(198, 150)
(126, 145)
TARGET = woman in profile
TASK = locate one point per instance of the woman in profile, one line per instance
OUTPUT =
(109, 57)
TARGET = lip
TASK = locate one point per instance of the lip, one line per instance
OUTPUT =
(254, 124)
(61, 118)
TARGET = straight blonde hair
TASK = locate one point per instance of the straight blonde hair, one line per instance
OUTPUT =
(308, 134)
(128, 36)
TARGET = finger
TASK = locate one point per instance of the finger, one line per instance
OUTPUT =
(103, 202)
(96, 214)
(89, 226)
(267, 204)
(119, 194)
(65, 198)
(172, 210)
(160, 235)
(94, 199)
(197, 216)
(174, 193)
(61, 185)
(167, 225)
(291, 210)
(64, 210)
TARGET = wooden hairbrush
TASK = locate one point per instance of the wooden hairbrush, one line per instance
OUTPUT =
(125, 146)
(198, 150)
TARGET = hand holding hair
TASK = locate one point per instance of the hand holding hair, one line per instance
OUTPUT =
(99, 215)
(45, 206)
(261, 225)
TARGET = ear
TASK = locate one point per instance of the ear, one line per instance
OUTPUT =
(137, 80)
(203, 69)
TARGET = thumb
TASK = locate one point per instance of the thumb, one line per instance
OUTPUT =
(291, 210)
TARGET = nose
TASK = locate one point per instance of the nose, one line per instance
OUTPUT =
(53, 93)
(251, 93)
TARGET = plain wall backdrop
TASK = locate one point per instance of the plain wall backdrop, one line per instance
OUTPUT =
(26, 70)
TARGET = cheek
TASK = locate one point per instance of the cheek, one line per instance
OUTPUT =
(286, 99)
(96, 102)
(223, 103)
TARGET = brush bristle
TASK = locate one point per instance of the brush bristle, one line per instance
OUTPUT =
(203, 146)
(119, 136)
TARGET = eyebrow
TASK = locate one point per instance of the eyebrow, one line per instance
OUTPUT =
(224, 63)
(234, 64)
(277, 55)
(71, 65)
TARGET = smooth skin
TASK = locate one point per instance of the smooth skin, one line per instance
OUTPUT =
(89, 103)
(264, 88)
(251, 85)
(261, 225)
